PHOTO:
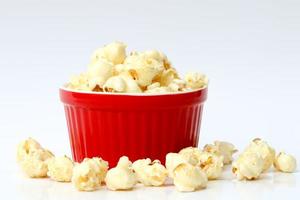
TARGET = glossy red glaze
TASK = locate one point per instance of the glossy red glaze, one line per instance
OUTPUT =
(139, 126)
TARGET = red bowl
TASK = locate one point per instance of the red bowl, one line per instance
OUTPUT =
(110, 125)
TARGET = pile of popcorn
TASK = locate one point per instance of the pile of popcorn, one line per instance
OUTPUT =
(190, 169)
(111, 70)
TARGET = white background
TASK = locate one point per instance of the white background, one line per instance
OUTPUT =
(249, 49)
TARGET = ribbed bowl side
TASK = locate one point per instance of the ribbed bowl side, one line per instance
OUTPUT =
(134, 133)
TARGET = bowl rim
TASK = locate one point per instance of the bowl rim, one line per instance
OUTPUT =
(64, 88)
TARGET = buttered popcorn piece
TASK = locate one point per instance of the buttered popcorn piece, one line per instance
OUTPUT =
(143, 69)
(167, 76)
(158, 90)
(221, 148)
(26, 147)
(150, 173)
(101, 71)
(114, 52)
(79, 82)
(115, 84)
(60, 168)
(89, 174)
(159, 56)
(191, 155)
(285, 163)
(264, 150)
(131, 85)
(35, 163)
(121, 177)
(32, 158)
(188, 178)
(177, 85)
(153, 86)
(248, 166)
(211, 164)
(172, 161)
(196, 80)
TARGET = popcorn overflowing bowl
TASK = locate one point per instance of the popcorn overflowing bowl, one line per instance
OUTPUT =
(157, 118)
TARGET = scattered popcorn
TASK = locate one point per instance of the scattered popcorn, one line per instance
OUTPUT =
(35, 163)
(89, 174)
(285, 163)
(196, 80)
(190, 169)
(114, 52)
(150, 173)
(142, 72)
(172, 161)
(32, 158)
(191, 155)
(249, 166)
(266, 152)
(26, 147)
(121, 177)
(188, 178)
(211, 164)
(60, 168)
(221, 148)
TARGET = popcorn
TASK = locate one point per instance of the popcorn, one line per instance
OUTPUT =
(159, 56)
(167, 76)
(101, 70)
(142, 68)
(121, 177)
(159, 90)
(249, 166)
(115, 84)
(26, 147)
(196, 80)
(190, 169)
(176, 85)
(114, 53)
(285, 163)
(211, 164)
(153, 86)
(60, 168)
(131, 85)
(221, 148)
(79, 82)
(118, 69)
(188, 178)
(150, 173)
(264, 150)
(32, 158)
(89, 174)
(191, 155)
(34, 164)
(142, 72)
(172, 161)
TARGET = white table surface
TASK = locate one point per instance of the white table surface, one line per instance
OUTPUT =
(249, 49)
